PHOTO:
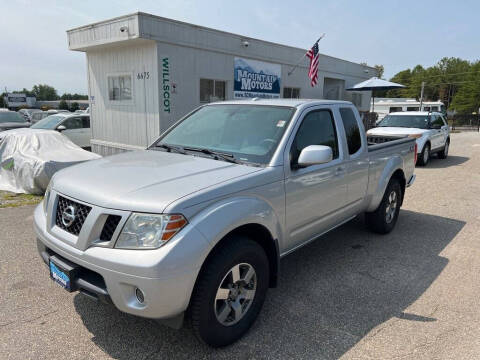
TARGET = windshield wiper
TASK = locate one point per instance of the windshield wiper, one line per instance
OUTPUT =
(215, 154)
(171, 148)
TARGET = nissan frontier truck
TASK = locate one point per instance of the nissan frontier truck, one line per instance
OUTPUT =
(195, 225)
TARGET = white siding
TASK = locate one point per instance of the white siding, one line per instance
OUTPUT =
(135, 123)
(103, 33)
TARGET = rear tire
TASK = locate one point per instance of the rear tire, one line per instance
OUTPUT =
(444, 153)
(424, 155)
(222, 310)
(383, 220)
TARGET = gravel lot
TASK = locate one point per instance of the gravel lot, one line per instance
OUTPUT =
(411, 294)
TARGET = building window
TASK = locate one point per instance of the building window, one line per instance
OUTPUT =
(412, 108)
(120, 87)
(291, 93)
(357, 99)
(212, 90)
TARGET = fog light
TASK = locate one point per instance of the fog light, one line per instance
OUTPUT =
(139, 295)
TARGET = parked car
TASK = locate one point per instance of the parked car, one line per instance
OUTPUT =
(12, 120)
(29, 158)
(36, 117)
(429, 128)
(43, 114)
(27, 113)
(200, 220)
(74, 126)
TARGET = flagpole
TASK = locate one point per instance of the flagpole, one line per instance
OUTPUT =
(301, 59)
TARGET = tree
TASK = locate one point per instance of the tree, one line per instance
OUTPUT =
(44, 92)
(63, 105)
(467, 98)
(74, 107)
(68, 96)
(442, 82)
(380, 70)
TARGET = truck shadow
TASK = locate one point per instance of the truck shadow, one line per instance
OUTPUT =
(451, 160)
(331, 293)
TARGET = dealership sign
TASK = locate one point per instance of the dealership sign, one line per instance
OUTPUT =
(254, 78)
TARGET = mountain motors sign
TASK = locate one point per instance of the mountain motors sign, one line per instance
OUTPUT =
(254, 78)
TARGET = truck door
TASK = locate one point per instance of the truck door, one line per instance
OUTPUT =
(315, 195)
(356, 162)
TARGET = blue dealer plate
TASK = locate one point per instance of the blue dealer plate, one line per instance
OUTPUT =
(60, 276)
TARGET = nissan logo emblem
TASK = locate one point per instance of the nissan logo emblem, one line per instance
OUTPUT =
(69, 215)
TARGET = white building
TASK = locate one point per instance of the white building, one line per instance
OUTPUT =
(145, 72)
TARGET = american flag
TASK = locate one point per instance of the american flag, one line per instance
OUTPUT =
(313, 55)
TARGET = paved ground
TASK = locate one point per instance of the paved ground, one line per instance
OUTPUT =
(413, 294)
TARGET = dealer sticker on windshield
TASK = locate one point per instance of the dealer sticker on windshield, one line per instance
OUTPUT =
(281, 123)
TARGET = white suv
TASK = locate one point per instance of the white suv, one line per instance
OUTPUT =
(429, 128)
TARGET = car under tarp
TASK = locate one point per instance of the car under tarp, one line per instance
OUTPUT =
(30, 157)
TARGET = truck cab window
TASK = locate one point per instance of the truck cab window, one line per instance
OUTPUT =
(352, 131)
(317, 128)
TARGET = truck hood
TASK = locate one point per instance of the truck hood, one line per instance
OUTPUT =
(145, 181)
(387, 130)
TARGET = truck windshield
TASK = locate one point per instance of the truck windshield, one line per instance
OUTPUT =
(247, 133)
(409, 121)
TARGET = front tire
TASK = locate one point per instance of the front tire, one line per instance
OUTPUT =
(230, 292)
(383, 220)
(444, 153)
(424, 155)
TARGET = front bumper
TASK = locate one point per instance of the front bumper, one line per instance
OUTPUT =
(115, 274)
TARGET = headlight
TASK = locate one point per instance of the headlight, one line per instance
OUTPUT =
(149, 231)
(46, 198)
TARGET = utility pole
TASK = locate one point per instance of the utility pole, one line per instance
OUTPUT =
(421, 96)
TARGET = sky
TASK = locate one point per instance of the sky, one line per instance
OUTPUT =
(396, 34)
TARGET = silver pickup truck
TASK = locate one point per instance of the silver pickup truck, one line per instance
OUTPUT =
(198, 222)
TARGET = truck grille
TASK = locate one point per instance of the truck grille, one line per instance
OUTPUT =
(80, 212)
(110, 227)
(379, 139)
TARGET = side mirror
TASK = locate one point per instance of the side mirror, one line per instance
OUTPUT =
(314, 155)
(61, 128)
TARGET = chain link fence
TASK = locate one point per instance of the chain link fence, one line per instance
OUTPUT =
(461, 122)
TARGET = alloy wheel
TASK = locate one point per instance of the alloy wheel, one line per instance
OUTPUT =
(426, 155)
(235, 294)
(391, 207)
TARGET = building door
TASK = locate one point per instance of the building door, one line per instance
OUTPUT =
(333, 89)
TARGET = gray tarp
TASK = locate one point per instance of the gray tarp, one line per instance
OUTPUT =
(30, 157)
